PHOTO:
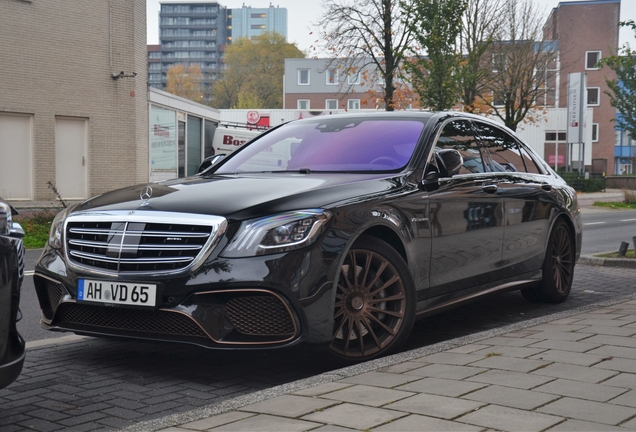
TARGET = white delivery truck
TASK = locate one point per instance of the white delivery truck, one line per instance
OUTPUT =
(227, 139)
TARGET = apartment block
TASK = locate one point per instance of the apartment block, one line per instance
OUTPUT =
(247, 22)
(197, 33)
(191, 33)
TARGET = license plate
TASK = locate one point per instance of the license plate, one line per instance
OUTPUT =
(123, 293)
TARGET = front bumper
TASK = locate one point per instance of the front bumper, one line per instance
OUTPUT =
(256, 302)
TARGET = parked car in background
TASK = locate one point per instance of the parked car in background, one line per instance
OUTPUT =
(12, 350)
(15, 233)
(337, 229)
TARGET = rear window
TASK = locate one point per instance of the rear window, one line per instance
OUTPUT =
(332, 145)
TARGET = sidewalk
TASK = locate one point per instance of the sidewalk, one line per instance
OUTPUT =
(572, 371)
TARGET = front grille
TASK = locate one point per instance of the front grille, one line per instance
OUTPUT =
(119, 242)
(134, 320)
(263, 315)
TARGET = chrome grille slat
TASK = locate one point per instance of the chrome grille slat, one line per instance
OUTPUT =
(129, 261)
(104, 245)
(148, 242)
(137, 233)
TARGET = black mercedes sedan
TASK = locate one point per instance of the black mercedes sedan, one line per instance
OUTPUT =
(11, 344)
(339, 230)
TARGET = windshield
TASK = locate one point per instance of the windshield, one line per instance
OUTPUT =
(333, 145)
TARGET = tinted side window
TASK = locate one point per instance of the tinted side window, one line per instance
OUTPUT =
(459, 135)
(503, 150)
(531, 165)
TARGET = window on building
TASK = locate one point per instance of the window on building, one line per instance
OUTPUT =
(303, 104)
(593, 96)
(498, 62)
(259, 15)
(332, 76)
(498, 99)
(353, 104)
(591, 59)
(303, 76)
(354, 78)
(331, 104)
(551, 136)
(594, 132)
(258, 26)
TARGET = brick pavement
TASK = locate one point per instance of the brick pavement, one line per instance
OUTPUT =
(574, 373)
(100, 384)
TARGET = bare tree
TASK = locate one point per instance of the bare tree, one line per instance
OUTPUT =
(481, 24)
(515, 79)
(365, 33)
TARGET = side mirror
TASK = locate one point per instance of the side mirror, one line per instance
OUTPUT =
(451, 161)
(209, 161)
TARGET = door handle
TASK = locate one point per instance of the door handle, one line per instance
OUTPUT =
(546, 187)
(490, 188)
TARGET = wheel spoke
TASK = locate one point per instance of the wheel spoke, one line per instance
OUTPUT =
(367, 267)
(391, 331)
(360, 339)
(381, 269)
(387, 284)
(395, 297)
(345, 276)
(373, 335)
(348, 337)
(398, 314)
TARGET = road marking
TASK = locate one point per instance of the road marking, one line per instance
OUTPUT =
(29, 272)
(628, 220)
(594, 223)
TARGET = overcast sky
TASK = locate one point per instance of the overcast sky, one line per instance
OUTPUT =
(302, 14)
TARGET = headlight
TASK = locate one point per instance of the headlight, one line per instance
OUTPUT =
(56, 234)
(6, 219)
(277, 233)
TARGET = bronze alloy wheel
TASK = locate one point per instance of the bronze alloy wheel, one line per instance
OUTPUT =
(558, 268)
(374, 305)
(562, 260)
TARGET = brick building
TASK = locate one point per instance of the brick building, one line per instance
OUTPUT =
(322, 84)
(73, 104)
(584, 31)
(587, 31)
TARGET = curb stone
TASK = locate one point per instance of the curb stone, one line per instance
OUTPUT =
(607, 262)
(338, 374)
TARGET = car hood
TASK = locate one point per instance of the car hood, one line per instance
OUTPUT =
(243, 196)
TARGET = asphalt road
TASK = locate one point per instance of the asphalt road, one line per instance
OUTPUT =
(604, 230)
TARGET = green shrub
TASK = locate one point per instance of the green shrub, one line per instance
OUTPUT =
(36, 228)
(581, 184)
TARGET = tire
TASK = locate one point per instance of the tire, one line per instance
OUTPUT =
(558, 268)
(375, 302)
